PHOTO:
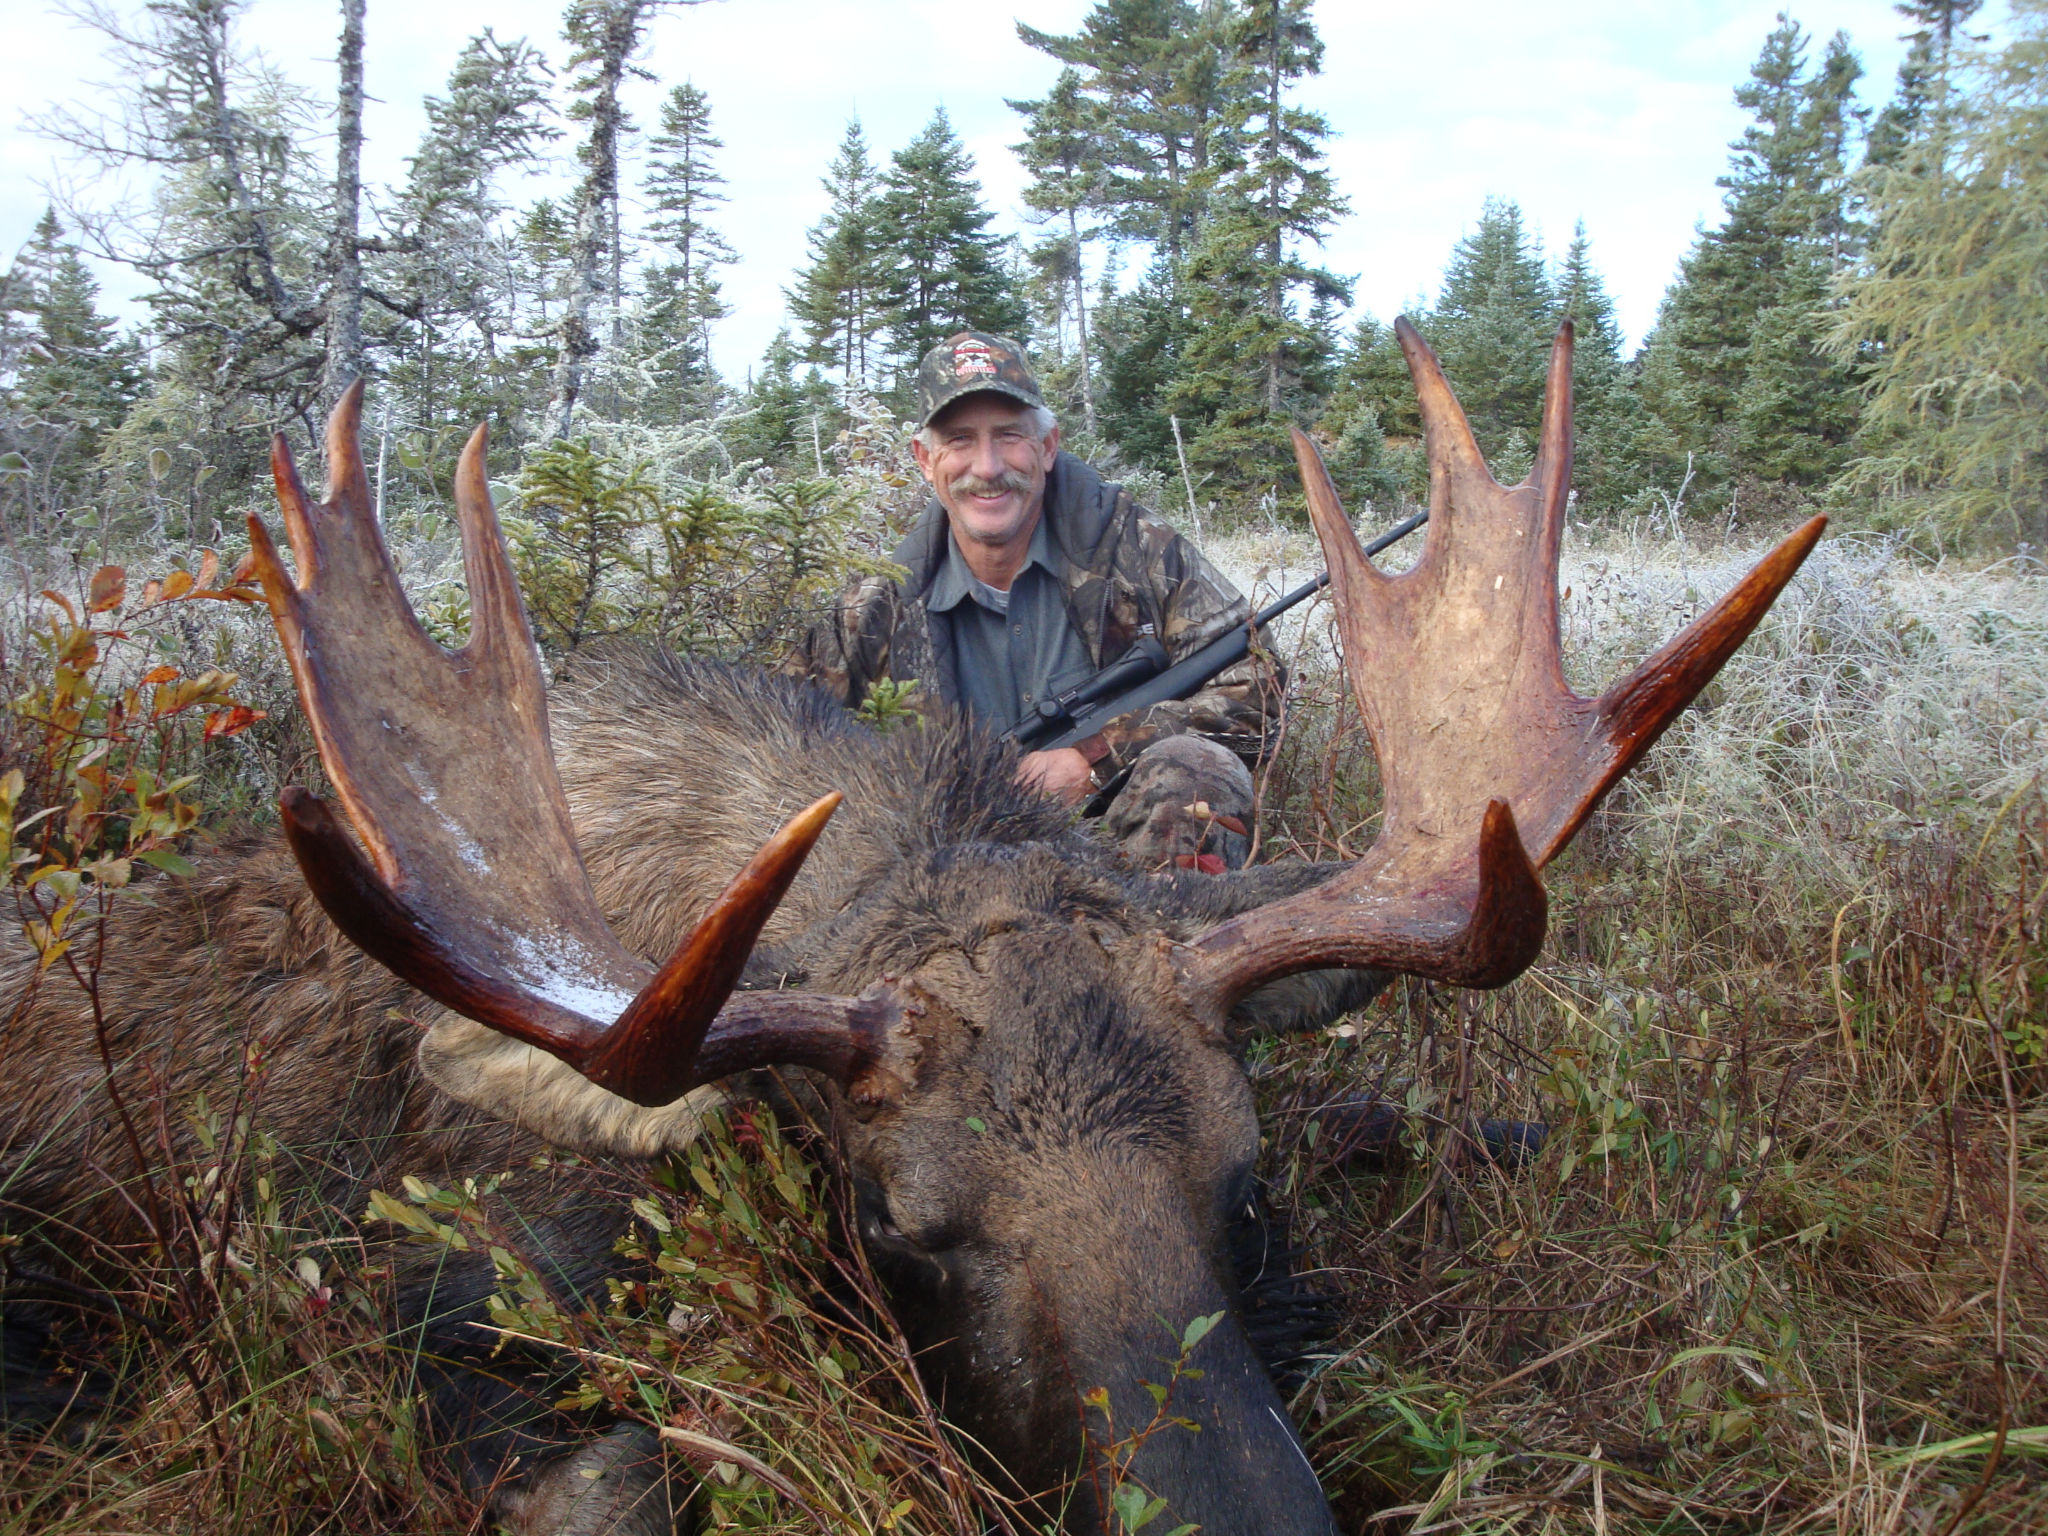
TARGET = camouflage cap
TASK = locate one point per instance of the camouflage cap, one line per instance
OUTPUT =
(972, 363)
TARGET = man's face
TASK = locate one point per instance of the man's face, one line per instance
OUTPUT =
(988, 470)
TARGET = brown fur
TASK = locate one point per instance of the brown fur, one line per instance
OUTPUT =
(1050, 1200)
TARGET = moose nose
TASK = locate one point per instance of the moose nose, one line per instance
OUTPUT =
(1244, 1472)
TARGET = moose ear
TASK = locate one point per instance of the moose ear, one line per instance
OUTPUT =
(1189, 903)
(1304, 1002)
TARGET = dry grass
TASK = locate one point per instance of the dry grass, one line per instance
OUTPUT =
(1778, 1268)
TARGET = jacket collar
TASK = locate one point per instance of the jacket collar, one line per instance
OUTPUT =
(954, 583)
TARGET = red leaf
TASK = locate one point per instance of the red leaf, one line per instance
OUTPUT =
(227, 722)
(160, 675)
(1206, 863)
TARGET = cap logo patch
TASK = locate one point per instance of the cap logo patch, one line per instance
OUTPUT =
(972, 360)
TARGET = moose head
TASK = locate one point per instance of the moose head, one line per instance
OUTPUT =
(1028, 1054)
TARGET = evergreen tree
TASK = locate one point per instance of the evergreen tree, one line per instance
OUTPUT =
(1372, 403)
(1260, 342)
(1949, 303)
(603, 36)
(1919, 104)
(943, 271)
(440, 280)
(681, 185)
(785, 419)
(1157, 70)
(1751, 296)
(1492, 328)
(1607, 469)
(1242, 371)
(841, 297)
(238, 240)
(1141, 334)
(69, 379)
(1279, 180)
(1063, 151)
(1581, 297)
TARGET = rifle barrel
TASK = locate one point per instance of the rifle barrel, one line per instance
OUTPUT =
(1219, 655)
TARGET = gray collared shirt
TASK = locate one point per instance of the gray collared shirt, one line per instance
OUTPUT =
(1010, 649)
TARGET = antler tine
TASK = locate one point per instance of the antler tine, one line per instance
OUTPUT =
(496, 618)
(1551, 474)
(1634, 712)
(473, 890)
(1490, 762)
(641, 1055)
(348, 484)
(297, 508)
(1447, 436)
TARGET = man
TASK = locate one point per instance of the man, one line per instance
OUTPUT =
(1026, 574)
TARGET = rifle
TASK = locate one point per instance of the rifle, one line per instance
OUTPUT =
(1141, 677)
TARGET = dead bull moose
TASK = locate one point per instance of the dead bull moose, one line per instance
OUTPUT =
(1026, 1052)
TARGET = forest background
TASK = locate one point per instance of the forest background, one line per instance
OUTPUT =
(1860, 328)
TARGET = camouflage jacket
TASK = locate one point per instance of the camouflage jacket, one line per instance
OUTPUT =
(1125, 573)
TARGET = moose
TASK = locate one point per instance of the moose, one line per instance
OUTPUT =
(1025, 1052)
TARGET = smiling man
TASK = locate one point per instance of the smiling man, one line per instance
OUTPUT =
(1027, 573)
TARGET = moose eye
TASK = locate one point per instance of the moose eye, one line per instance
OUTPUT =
(878, 1224)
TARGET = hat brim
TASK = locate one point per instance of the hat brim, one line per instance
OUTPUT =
(982, 387)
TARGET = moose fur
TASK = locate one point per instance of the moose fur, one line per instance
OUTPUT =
(1032, 1261)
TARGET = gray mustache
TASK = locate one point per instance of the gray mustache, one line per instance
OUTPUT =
(974, 485)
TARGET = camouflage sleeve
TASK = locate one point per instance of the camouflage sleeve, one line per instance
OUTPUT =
(846, 650)
(1240, 708)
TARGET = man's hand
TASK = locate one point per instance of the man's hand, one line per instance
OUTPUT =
(1063, 773)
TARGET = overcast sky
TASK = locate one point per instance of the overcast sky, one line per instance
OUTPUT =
(1614, 111)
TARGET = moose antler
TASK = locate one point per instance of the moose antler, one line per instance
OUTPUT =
(1489, 761)
(472, 889)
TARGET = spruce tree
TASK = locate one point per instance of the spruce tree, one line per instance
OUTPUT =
(841, 297)
(784, 419)
(681, 185)
(1608, 473)
(944, 271)
(603, 36)
(439, 283)
(1063, 151)
(1158, 70)
(238, 242)
(1141, 333)
(1492, 327)
(1260, 345)
(70, 378)
(1919, 105)
(1581, 297)
(1751, 296)
(1371, 404)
